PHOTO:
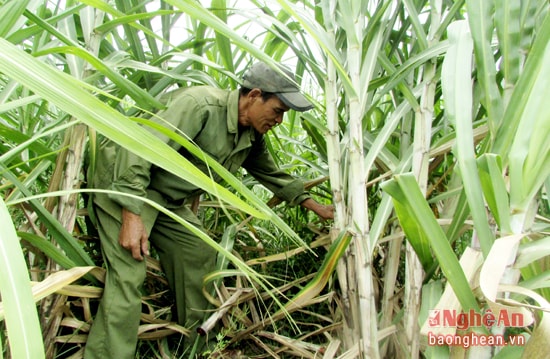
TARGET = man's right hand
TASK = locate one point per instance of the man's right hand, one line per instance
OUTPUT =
(133, 236)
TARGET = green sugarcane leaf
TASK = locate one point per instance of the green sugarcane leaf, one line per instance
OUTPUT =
(325, 41)
(133, 36)
(457, 89)
(219, 8)
(423, 231)
(460, 214)
(480, 16)
(69, 94)
(530, 152)
(142, 98)
(507, 21)
(316, 130)
(316, 285)
(227, 243)
(416, 234)
(66, 241)
(532, 251)
(126, 19)
(400, 74)
(417, 26)
(536, 62)
(121, 18)
(11, 12)
(537, 281)
(20, 310)
(49, 249)
(18, 137)
(494, 189)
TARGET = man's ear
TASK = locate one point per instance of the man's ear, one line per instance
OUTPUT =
(255, 92)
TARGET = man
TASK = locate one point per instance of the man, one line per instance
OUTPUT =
(229, 126)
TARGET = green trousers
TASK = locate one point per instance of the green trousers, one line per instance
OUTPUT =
(185, 259)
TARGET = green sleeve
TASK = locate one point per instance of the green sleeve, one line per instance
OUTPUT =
(132, 174)
(260, 164)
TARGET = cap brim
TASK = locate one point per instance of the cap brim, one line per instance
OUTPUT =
(295, 101)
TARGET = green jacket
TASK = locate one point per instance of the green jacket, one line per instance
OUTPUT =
(208, 116)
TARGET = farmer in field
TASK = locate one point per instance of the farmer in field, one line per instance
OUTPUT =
(229, 126)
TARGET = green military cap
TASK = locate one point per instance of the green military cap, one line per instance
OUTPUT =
(264, 77)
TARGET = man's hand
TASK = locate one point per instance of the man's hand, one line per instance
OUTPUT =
(133, 236)
(323, 211)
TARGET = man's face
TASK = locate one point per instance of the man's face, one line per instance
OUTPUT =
(264, 115)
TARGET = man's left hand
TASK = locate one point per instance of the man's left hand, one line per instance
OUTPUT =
(323, 211)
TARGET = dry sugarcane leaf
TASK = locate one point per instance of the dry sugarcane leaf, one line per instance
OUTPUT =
(156, 335)
(332, 349)
(81, 291)
(321, 329)
(288, 254)
(314, 287)
(208, 324)
(538, 345)
(78, 355)
(297, 347)
(55, 282)
(169, 326)
(308, 294)
(264, 346)
(75, 324)
(351, 353)
(72, 339)
(469, 262)
(491, 273)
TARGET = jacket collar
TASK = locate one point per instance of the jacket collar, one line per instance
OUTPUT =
(233, 111)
